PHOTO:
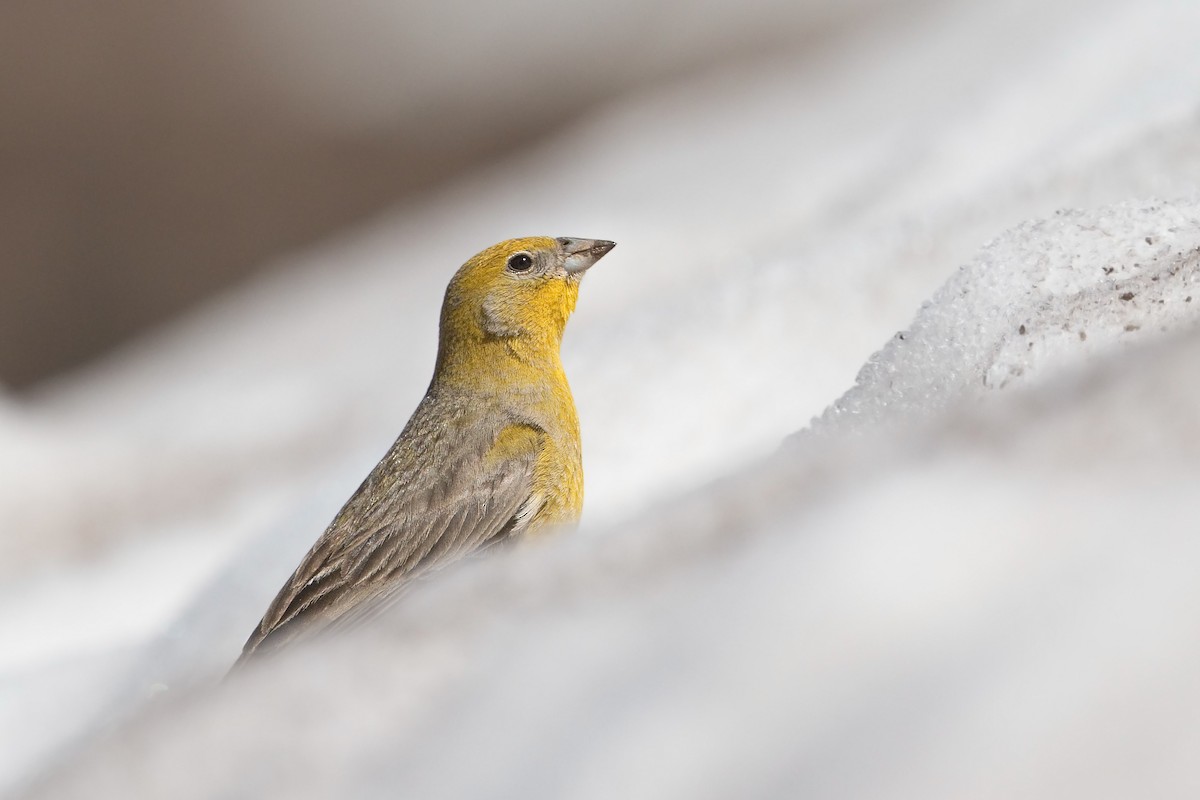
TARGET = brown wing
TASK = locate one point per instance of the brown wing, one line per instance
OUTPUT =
(435, 497)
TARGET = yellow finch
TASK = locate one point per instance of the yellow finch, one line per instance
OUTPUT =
(491, 453)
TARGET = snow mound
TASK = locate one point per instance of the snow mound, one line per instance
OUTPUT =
(947, 609)
(1043, 298)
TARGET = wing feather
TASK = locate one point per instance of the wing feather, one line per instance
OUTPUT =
(436, 496)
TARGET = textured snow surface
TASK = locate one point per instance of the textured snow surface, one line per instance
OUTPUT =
(972, 575)
(1039, 299)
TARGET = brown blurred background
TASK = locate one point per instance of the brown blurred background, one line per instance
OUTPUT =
(153, 153)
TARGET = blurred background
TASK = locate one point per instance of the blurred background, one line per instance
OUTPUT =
(153, 156)
(225, 229)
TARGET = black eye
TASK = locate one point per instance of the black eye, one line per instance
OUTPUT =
(519, 262)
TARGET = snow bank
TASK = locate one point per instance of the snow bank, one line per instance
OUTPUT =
(1041, 299)
(990, 600)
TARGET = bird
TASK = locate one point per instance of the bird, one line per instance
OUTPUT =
(491, 454)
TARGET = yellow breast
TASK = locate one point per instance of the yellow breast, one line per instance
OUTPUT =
(558, 482)
(556, 486)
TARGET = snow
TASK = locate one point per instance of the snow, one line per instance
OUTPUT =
(1042, 298)
(971, 575)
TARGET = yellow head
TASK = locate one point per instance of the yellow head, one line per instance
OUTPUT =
(514, 297)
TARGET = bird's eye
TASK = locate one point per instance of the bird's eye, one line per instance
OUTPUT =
(519, 262)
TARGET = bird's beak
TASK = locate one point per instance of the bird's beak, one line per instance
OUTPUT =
(582, 253)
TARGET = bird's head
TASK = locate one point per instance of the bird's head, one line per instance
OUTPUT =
(520, 289)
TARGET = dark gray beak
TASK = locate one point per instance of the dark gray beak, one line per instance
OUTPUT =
(582, 253)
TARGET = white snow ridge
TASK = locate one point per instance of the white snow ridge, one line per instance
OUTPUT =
(959, 600)
(1047, 296)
